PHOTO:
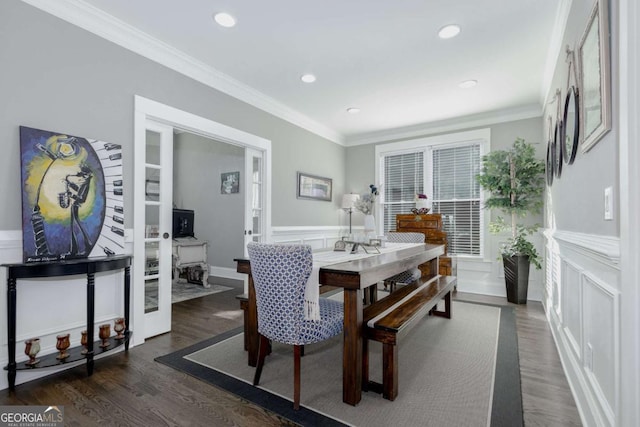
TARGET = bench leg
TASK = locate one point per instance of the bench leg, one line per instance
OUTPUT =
(389, 371)
(365, 364)
(447, 307)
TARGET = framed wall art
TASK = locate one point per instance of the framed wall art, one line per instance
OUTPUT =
(230, 182)
(314, 187)
(594, 58)
(72, 196)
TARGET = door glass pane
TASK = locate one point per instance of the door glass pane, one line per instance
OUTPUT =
(256, 205)
(153, 148)
(152, 257)
(150, 295)
(152, 216)
(152, 184)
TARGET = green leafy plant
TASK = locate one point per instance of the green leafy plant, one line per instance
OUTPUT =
(515, 179)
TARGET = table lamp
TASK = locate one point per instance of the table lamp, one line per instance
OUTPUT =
(348, 203)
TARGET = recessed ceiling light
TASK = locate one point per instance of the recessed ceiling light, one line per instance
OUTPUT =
(449, 31)
(308, 78)
(468, 84)
(224, 19)
(353, 110)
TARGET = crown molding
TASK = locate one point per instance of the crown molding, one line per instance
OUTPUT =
(96, 21)
(464, 122)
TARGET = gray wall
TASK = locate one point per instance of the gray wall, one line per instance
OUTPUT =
(219, 218)
(58, 77)
(576, 202)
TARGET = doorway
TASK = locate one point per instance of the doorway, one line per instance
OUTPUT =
(150, 115)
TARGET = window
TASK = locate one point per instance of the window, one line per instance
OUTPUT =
(456, 195)
(444, 168)
(403, 178)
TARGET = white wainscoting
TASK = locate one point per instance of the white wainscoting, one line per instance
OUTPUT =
(318, 237)
(582, 302)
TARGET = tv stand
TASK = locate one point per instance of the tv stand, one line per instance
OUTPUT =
(189, 253)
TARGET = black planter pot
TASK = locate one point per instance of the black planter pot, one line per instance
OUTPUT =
(516, 277)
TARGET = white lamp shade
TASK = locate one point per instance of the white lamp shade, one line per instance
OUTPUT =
(349, 201)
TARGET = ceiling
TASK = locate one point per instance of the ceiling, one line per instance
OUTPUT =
(381, 56)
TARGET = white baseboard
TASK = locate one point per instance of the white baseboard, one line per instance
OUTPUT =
(226, 273)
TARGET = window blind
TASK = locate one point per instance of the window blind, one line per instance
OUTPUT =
(403, 179)
(456, 195)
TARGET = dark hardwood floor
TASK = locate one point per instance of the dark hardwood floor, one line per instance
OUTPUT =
(130, 389)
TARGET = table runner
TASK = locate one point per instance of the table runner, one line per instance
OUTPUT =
(328, 257)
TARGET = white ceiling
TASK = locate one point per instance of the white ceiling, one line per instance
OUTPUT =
(382, 56)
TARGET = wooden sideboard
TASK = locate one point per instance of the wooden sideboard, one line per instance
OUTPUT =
(431, 226)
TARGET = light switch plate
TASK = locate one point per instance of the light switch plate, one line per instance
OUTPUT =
(608, 204)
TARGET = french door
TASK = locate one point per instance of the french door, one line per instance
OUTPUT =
(254, 229)
(157, 227)
(153, 200)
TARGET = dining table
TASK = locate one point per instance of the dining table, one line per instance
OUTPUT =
(354, 275)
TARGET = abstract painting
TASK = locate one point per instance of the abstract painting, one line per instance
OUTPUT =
(72, 201)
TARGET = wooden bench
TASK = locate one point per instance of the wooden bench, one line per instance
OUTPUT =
(389, 318)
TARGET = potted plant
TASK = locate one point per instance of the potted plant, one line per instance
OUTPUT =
(515, 179)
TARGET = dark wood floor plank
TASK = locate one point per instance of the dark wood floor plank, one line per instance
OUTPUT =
(131, 389)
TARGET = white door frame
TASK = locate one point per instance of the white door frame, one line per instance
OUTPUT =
(146, 109)
(629, 156)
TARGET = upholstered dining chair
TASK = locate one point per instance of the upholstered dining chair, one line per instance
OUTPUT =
(408, 276)
(280, 273)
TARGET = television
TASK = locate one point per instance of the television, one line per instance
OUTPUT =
(182, 223)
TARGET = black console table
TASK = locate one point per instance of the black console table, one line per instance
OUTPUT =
(85, 266)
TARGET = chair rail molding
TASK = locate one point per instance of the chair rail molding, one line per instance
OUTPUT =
(602, 248)
(318, 237)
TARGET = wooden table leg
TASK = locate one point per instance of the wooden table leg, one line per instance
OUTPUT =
(251, 327)
(352, 347)
(447, 307)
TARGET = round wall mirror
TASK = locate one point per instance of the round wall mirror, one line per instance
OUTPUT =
(557, 149)
(571, 128)
(550, 163)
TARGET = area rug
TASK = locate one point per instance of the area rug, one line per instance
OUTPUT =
(180, 291)
(462, 371)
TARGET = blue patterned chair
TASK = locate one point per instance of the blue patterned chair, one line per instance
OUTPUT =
(408, 276)
(280, 274)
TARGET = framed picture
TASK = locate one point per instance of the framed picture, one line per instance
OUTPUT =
(314, 187)
(594, 59)
(230, 182)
